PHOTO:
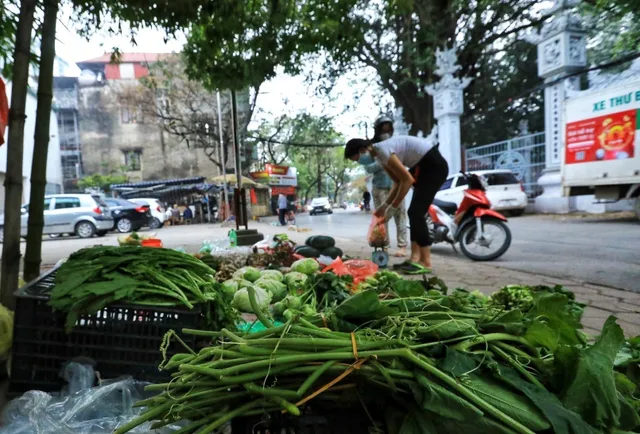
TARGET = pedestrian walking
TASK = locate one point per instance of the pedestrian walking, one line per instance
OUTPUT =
(282, 209)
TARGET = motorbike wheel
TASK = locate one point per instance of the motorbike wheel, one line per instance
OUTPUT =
(490, 249)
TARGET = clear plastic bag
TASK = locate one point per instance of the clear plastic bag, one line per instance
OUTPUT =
(88, 410)
(377, 235)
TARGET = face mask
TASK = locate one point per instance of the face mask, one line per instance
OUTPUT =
(385, 136)
(366, 159)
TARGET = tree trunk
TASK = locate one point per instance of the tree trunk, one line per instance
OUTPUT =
(13, 175)
(33, 254)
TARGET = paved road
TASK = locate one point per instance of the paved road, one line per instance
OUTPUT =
(597, 251)
(592, 250)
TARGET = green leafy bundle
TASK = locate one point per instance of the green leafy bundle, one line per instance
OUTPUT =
(421, 362)
(95, 277)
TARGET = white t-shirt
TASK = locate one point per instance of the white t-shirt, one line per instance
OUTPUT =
(408, 149)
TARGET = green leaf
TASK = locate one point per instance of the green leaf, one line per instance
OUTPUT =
(508, 322)
(589, 386)
(363, 305)
(449, 328)
(445, 403)
(516, 406)
(456, 363)
(551, 322)
(563, 420)
(408, 288)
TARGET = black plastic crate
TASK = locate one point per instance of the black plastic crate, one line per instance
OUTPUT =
(331, 422)
(121, 339)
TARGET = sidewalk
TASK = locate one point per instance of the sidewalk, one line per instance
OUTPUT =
(488, 278)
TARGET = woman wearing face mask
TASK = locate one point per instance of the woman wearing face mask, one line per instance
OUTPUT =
(428, 171)
(381, 182)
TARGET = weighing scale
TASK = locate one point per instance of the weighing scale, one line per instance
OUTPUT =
(380, 257)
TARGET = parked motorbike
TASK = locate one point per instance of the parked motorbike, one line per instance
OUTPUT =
(482, 232)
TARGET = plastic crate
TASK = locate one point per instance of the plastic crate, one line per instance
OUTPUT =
(334, 422)
(121, 339)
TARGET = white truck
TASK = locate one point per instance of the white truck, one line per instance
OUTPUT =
(602, 145)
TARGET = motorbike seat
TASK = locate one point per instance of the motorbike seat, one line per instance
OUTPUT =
(448, 207)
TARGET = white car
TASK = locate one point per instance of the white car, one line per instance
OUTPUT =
(158, 213)
(320, 205)
(505, 192)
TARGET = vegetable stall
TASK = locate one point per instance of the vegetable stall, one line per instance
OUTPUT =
(277, 344)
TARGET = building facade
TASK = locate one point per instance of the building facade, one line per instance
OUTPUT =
(65, 100)
(124, 135)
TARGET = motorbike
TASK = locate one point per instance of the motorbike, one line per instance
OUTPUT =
(482, 232)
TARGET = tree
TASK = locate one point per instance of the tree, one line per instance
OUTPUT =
(13, 174)
(309, 143)
(32, 258)
(396, 40)
(101, 182)
(186, 110)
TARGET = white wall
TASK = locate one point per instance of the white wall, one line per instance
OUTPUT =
(54, 163)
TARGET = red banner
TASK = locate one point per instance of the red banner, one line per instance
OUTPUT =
(287, 191)
(4, 111)
(609, 137)
(276, 170)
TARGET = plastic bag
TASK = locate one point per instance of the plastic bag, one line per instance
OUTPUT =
(96, 410)
(377, 235)
(360, 269)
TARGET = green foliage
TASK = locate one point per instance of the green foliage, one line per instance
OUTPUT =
(102, 182)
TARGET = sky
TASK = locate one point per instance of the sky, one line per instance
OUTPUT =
(282, 95)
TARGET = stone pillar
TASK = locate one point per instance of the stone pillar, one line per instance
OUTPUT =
(448, 106)
(561, 51)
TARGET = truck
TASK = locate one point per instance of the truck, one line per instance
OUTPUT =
(602, 144)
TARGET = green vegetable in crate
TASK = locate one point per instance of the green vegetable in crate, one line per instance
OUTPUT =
(295, 281)
(307, 252)
(95, 277)
(306, 266)
(242, 303)
(320, 242)
(247, 273)
(272, 274)
(278, 290)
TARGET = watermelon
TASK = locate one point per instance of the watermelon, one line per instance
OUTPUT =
(332, 252)
(320, 242)
(308, 252)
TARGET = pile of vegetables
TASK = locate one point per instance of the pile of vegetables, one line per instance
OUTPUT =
(95, 277)
(415, 358)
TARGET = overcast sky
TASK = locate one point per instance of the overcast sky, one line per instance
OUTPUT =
(282, 95)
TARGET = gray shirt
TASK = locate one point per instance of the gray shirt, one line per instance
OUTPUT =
(408, 149)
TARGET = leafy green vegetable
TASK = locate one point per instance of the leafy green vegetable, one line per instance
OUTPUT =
(295, 281)
(247, 273)
(242, 303)
(306, 266)
(278, 290)
(588, 378)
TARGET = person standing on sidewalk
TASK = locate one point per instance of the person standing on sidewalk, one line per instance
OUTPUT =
(383, 129)
(282, 209)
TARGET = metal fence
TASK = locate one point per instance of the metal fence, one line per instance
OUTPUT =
(524, 155)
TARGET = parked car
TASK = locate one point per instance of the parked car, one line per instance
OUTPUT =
(158, 212)
(84, 215)
(505, 192)
(320, 205)
(128, 216)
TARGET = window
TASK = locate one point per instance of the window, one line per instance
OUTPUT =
(447, 184)
(47, 204)
(67, 202)
(505, 178)
(133, 160)
(461, 182)
(131, 115)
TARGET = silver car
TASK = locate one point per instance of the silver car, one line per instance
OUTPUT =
(84, 215)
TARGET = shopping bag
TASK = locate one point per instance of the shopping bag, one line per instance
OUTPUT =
(377, 236)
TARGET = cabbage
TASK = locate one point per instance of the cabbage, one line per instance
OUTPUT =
(272, 274)
(248, 273)
(306, 266)
(242, 303)
(278, 290)
(295, 280)
(242, 283)
(229, 287)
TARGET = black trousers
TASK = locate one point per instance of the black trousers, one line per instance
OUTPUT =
(282, 214)
(429, 175)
